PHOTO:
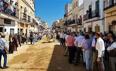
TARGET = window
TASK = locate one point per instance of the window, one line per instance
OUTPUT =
(111, 2)
(21, 7)
(7, 21)
(24, 16)
(1, 29)
(29, 18)
(12, 31)
(97, 7)
(90, 11)
(80, 2)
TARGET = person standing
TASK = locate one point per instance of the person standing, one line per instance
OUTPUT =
(87, 49)
(11, 45)
(31, 37)
(3, 51)
(15, 42)
(71, 48)
(19, 38)
(94, 52)
(100, 47)
(112, 52)
(61, 38)
(78, 44)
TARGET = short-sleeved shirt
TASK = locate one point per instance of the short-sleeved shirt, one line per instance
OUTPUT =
(70, 40)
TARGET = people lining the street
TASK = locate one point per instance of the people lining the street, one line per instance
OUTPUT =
(96, 51)
(87, 52)
(14, 41)
(71, 47)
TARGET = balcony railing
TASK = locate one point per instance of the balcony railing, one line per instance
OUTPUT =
(77, 22)
(90, 15)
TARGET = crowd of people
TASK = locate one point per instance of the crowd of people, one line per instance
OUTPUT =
(15, 41)
(96, 51)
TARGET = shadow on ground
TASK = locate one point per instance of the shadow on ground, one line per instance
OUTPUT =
(60, 63)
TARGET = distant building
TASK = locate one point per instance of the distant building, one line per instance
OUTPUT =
(93, 15)
(73, 16)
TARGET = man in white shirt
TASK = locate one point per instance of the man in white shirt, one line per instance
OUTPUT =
(100, 47)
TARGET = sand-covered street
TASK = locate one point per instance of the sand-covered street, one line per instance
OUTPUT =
(41, 56)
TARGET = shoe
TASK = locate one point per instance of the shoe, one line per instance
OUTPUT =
(5, 67)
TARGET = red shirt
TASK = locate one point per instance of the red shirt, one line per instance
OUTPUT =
(70, 40)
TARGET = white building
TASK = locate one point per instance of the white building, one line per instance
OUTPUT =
(80, 15)
(8, 19)
(8, 24)
(93, 15)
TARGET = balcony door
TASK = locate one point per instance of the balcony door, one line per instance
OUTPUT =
(12, 31)
(112, 28)
(111, 2)
(1, 29)
(97, 28)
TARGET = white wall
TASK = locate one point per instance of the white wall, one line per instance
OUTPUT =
(101, 11)
(15, 27)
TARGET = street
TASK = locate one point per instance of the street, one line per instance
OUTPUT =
(42, 56)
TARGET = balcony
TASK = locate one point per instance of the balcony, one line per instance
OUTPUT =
(92, 14)
(24, 17)
(65, 15)
(109, 4)
(76, 22)
(69, 22)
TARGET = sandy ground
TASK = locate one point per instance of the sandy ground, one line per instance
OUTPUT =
(42, 56)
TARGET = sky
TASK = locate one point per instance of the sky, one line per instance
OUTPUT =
(50, 10)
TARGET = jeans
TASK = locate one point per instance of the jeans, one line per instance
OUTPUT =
(88, 59)
(78, 54)
(2, 52)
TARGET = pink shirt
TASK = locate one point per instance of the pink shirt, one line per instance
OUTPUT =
(70, 40)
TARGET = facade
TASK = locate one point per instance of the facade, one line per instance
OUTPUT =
(8, 18)
(110, 15)
(68, 17)
(26, 15)
(93, 15)
(80, 15)
(74, 16)
(74, 24)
